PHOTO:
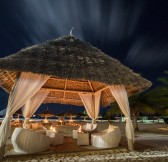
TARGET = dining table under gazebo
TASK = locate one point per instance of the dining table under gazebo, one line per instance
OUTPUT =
(67, 71)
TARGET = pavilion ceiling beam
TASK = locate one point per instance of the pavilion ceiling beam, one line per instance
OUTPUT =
(68, 80)
(9, 76)
(73, 91)
(4, 85)
(60, 98)
(103, 89)
(90, 84)
(65, 90)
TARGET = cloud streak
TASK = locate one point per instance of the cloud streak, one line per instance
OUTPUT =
(147, 53)
(104, 20)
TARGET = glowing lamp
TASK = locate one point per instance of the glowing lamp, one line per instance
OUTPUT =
(51, 128)
(46, 121)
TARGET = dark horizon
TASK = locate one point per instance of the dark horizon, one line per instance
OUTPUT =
(133, 32)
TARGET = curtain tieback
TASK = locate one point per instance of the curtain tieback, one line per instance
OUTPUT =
(127, 118)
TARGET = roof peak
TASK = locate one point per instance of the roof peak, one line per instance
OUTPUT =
(71, 31)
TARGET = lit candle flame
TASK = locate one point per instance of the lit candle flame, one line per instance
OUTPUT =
(53, 129)
(46, 121)
(80, 129)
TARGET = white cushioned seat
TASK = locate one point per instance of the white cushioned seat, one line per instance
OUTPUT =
(29, 141)
(107, 138)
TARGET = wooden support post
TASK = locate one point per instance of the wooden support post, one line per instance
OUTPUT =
(90, 84)
(65, 88)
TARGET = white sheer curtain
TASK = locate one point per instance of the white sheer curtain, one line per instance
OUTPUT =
(91, 103)
(25, 88)
(120, 95)
(33, 104)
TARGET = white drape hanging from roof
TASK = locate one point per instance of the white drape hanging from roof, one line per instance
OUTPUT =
(91, 103)
(120, 95)
(24, 89)
(33, 104)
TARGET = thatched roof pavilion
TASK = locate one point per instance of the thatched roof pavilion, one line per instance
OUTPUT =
(73, 72)
(74, 66)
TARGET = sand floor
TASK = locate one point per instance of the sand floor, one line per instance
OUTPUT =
(151, 144)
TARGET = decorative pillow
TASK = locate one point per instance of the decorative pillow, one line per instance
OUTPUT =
(88, 126)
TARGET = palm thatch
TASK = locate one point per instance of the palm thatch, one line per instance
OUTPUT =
(72, 113)
(46, 113)
(74, 66)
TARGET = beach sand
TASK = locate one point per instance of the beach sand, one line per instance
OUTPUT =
(151, 144)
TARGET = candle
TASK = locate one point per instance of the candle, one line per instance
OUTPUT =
(54, 130)
(80, 129)
(61, 122)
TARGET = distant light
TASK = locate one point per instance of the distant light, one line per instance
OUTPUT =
(163, 128)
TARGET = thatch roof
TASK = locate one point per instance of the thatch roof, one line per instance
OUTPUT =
(74, 66)
(46, 113)
(72, 113)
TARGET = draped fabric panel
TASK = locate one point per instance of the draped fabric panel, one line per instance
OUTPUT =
(24, 89)
(96, 100)
(120, 95)
(91, 103)
(33, 104)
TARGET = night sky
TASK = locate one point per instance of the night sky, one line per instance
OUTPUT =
(132, 31)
